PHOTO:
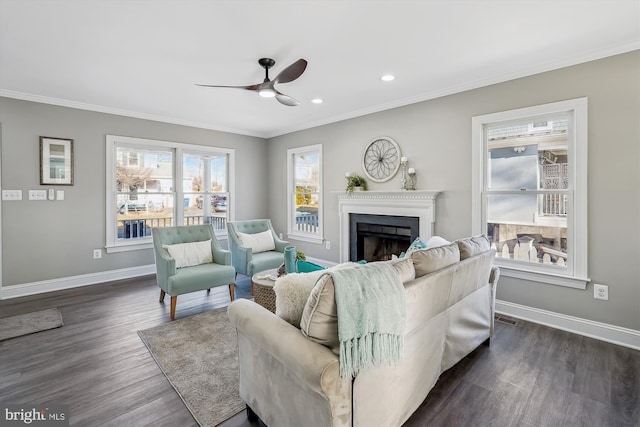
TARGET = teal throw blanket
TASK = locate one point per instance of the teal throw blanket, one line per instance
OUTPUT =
(370, 301)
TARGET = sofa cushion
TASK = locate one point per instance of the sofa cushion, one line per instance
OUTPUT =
(405, 268)
(189, 254)
(319, 320)
(428, 260)
(258, 242)
(292, 292)
(473, 246)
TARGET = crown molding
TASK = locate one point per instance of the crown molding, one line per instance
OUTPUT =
(119, 112)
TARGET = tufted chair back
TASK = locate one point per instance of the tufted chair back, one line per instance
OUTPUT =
(242, 258)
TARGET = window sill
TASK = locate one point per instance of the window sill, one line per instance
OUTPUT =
(543, 277)
(133, 246)
(305, 238)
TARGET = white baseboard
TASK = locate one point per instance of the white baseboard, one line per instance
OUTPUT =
(601, 331)
(33, 288)
(588, 328)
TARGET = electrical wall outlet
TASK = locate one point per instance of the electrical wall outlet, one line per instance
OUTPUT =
(327, 244)
(12, 195)
(600, 291)
(97, 253)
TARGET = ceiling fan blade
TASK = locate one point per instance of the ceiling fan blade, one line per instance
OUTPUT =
(292, 72)
(286, 100)
(250, 87)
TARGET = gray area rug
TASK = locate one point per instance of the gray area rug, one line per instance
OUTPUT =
(25, 324)
(199, 356)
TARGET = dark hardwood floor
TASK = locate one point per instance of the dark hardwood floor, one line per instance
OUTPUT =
(531, 375)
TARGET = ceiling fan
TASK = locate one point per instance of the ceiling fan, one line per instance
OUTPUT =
(266, 88)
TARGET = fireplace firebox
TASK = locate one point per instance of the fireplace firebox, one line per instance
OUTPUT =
(378, 237)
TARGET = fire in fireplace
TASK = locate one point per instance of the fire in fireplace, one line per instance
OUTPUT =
(378, 237)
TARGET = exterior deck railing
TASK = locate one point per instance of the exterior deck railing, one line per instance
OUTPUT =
(138, 228)
(307, 223)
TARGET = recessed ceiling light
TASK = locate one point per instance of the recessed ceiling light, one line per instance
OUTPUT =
(317, 100)
(388, 77)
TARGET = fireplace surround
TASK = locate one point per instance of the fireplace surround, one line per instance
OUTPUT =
(419, 204)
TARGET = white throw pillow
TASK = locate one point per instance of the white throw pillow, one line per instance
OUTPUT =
(188, 254)
(436, 242)
(292, 291)
(258, 242)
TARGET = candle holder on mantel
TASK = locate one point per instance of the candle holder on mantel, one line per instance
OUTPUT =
(411, 181)
(408, 175)
(403, 166)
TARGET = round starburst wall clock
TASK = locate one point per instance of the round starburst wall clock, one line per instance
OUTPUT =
(381, 159)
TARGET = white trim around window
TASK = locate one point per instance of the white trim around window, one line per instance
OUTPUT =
(575, 274)
(113, 244)
(294, 231)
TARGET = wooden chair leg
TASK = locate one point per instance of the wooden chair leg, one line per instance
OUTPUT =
(162, 293)
(174, 300)
(232, 291)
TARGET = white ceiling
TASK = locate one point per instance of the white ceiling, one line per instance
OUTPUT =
(142, 58)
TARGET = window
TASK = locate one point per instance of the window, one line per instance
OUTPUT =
(529, 190)
(158, 184)
(304, 175)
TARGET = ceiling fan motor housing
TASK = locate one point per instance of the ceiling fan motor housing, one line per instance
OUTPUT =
(266, 63)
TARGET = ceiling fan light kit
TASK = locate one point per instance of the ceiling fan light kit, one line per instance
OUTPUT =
(267, 93)
(266, 89)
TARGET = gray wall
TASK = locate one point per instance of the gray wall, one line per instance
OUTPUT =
(44, 240)
(436, 137)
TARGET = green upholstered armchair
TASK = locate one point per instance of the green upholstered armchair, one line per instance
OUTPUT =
(243, 259)
(215, 269)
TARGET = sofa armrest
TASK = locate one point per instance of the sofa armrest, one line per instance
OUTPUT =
(493, 284)
(280, 244)
(165, 266)
(222, 256)
(308, 360)
(494, 276)
(277, 346)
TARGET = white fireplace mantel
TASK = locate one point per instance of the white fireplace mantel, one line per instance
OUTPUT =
(418, 203)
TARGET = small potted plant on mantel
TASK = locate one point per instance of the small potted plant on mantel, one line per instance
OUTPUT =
(355, 183)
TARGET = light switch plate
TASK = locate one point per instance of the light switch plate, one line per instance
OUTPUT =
(12, 195)
(37, 194)
(60, 194)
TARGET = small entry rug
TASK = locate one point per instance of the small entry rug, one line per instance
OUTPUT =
(25, 324)
(199, 356)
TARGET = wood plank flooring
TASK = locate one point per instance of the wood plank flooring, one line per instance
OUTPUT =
(531, 375)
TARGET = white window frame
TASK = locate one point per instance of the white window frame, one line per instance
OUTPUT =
(576, 273)
(113, 244)
(292, 233)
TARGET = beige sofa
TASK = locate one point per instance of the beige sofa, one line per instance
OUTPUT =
(289, 380)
